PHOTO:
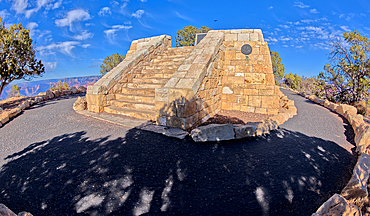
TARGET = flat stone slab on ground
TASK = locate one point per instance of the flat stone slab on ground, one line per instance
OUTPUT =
(170, 132)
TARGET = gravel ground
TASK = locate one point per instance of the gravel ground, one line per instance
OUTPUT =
(56, 162)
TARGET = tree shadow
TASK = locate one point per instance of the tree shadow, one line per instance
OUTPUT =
(284, 173)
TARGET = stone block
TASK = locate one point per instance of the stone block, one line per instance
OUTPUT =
(270, 80)
(95, 108)
(162, 95)
(176, 122)
(180, 95)
(96, 90)
(242, 131)
(184, 110)
(337, 205)
(213, 132)
(253, 36)
(254, 78)
(261, 110)
(243, 37)
(270, 102)
(5, 211)
(255, 101)
(251, 92)
(227, 90)
(230, 54)
(100, 100)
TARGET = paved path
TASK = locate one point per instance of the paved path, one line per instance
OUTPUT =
(56, 162)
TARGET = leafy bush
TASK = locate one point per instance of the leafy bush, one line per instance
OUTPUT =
(60, 86)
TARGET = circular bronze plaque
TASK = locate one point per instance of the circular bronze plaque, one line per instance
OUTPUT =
(246, 49)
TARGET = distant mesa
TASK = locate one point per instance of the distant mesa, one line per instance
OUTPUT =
(33, 88)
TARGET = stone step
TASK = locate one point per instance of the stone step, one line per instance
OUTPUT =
(138, 91)
(150, 80)
(138, 98)
(171, 56)
(143, 114)
(132, 105)
(144, 85)
(167, 60)
(159, 71)
(178, 50)
(162, 67)
(154, 75)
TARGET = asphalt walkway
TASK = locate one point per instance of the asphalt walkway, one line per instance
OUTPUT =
(54, 161)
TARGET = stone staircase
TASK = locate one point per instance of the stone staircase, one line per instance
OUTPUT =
(138, 98)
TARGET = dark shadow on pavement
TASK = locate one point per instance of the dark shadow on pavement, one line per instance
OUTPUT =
(284, 173)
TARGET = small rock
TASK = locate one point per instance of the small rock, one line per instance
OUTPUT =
(14, 112)
(326, 103)
(82, 89)
(361, 107)
(343, 108)
(49, 94)
(38, 99)
(356, 189)
(333, 107)
(242, 131)
(57, 93)
(74, 90)
(5, 211)
(80, 104)
(4, 117)
(213, 132)
(67, 92)
(362, 138)
(337, 205)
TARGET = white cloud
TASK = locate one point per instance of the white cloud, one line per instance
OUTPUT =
(143, 0)
(4, 13)
(84, 35)
(138, 14)
(183, 17)
(345, 28)
(340, 16)
(19, 6)
(284, 26)
(127, 23)
(86, 45)
(63, 47)
(300, 4)
(269, 8)
(111, 33)
(314, 11)
(31, 26)
(50, 66)
(73, 16)
(105, 11)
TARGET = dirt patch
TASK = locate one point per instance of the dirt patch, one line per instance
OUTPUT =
(235, 117)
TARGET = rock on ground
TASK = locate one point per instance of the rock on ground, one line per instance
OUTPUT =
(337, 205)
(213, 132)
(80, 104)
(356, 189)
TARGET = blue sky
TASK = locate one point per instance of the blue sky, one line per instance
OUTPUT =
(72, 37)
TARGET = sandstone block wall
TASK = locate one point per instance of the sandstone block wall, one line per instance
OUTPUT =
(248, 82)
(141, 52)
